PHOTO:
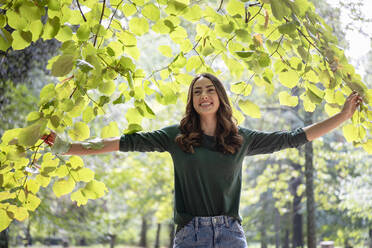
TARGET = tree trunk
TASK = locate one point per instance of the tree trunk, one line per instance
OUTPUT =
(277, 228)
(263, 221)
(4, 239)
(310, 202)
(297, 238)
(157, 240)
(286, 239)
(28, 234)
(112, 240)
(171, 235)
(370, 237)
(143, 240)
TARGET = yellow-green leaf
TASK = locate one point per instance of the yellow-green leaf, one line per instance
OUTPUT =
(165, 50)
(249, 108)
(79, 132)
(286, 99)
(138, 26)
(85, 175)
(151, 11)
(5, 220)
(350, 132)
(75, 162)
(110, 130)
(63, 65)
(63, 187)
(289, 78)
(79, 198)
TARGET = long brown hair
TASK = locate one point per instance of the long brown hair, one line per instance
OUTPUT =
(227, 136)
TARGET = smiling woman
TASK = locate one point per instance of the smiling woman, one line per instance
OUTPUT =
(208, 149)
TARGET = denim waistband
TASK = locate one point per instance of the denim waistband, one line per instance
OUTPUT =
(209, 220)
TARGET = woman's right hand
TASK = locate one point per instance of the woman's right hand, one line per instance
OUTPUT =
(49, 138)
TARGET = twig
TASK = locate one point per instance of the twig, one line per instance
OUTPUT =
(82, 14)
(281, 38)
(100, 21)
(112, 17)
(219, 8)
(236, 98)
(256, 13)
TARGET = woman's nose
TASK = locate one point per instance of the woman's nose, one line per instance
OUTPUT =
(204, 96)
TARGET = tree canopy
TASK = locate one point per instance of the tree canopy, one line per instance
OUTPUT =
(274, 44)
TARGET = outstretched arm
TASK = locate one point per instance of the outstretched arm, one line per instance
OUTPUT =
(83, 148)
(319, 129)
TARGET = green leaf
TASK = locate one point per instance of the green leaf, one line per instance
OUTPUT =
(249, 108)
(133, 128)
(279, 9)
(350, 132)
(107, 87)
(264, 60)
(31, 202)
(111, 130)
(235, 7)
(94, 189)
(241, 88)
(165, 50)
(119, 100)
(63, 187)
(151, 11)
(133, 116)
(193, 62)
(21, 39)
(51, 28)
(5, 220)
(244, 54)
(63, 65)
(79, 132)
(85, 175)
(138, 26)
(88, 114)
(83, 32)
(30, 11)
(289, 78)
(129, 9)
(6, 39)
(16, 21)
(36, 28)
(309, 106)
(286, 99)
(287, 28)
(75, 162)
(31, 134)
(368, 146)
(79, 198)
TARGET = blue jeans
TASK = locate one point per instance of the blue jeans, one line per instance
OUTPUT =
(211, 232)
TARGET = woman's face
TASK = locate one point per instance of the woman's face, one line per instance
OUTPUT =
(205, 98)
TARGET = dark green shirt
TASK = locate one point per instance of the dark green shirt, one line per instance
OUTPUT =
(208, 182)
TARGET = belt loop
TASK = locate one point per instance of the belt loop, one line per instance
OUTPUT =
(196, 224)
(226, 221)
(196, 228)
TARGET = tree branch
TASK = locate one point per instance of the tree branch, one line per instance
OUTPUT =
(82, 14)
(100, 21)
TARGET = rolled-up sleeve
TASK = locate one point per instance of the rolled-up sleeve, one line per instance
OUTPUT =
(268, 142)
(155, 141)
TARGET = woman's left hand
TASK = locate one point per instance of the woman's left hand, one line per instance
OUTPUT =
(351, 103)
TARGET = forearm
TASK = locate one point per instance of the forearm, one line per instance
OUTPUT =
(321, 128)
(94, 147)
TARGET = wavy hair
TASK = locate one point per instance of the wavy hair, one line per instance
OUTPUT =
(228, 139)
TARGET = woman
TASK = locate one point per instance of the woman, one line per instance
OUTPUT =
(208, 149)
